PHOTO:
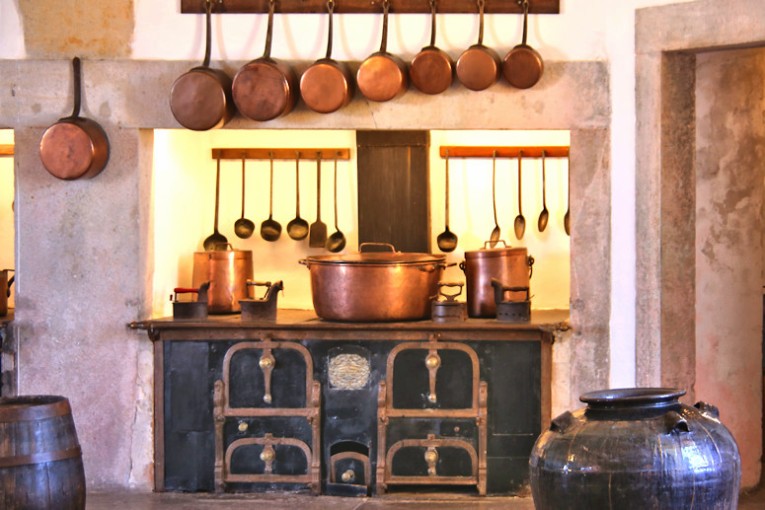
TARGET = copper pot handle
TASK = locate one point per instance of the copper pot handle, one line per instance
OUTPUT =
(386, 245)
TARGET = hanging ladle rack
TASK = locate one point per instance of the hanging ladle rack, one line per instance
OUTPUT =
(554, 151)
(277, 154)
(370, 7)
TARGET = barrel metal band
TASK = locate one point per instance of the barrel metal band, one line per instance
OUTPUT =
(20, 412)
(40, 458)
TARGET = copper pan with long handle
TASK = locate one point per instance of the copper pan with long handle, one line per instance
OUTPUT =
(478, 66)
(200, 98)
(432, 69)
(327, 85)
(382, 76)
(74, 147)
(265, 88)
(523, 66)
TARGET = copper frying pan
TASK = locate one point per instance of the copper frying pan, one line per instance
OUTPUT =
(74, 147)
(200, 99)
(382, 76)
(522, 67)
(478, 66)
(265, 88)
(327, 86)
(432, 70)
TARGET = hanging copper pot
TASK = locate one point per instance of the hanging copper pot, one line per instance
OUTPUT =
(523, 66)
(200, 99)
(432, 69)
(327, 85)
(264, 88)
(74, 147)
(478, 66)
(382, 76)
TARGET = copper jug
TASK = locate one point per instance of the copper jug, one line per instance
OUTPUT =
(227, 271)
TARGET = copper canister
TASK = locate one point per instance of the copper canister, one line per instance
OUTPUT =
(510, 265)
(228, 272)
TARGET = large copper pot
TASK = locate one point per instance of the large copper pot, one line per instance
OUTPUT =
(227, 271)
(374, 286)
(511, 266)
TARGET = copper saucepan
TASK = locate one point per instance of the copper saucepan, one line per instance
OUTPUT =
(327, 85)
(265, 88)
(522, 67)
(200, 99)
(74, 147)
(382, 76)
(432, 70)
(478, 66)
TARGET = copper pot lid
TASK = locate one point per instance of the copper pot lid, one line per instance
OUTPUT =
(494, 252)
(385, 258)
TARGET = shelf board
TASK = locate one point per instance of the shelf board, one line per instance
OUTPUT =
(370, 7)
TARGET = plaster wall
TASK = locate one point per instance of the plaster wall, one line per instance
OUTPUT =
(730, 150)
(672, 347)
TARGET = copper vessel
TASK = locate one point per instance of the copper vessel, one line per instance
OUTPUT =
(512, 266)
(374, 286)
(228, 272)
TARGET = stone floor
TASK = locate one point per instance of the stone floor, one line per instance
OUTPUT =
(754, 500)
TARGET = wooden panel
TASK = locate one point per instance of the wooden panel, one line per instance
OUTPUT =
(371, 6)
(393, 189)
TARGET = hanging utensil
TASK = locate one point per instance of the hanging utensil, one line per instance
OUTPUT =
(327, 86)
(200, 99)
(544, 216)
(567, 216)
(495, 233)
(243, 228)
(74, 147)
(270, 229)
(317, 236)
(447, 240)
(522, 67)
(336, 241)
(265, 88)
(432, 69)
(297, 228)
(478, 66)
(216, 240)
(520, 222)
(382, 76)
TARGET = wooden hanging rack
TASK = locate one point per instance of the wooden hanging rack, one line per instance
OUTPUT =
(456, 151)
(6, 149)
(370, 7)
(305, 153)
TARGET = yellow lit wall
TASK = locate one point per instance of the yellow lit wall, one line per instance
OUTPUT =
(6, 208)
(184, 188)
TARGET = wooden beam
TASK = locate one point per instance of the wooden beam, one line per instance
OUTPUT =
(305, 153)
(6, 149)
(370, 6)
(502, 152)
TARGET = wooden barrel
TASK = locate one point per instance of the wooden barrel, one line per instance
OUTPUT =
(40, 456)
